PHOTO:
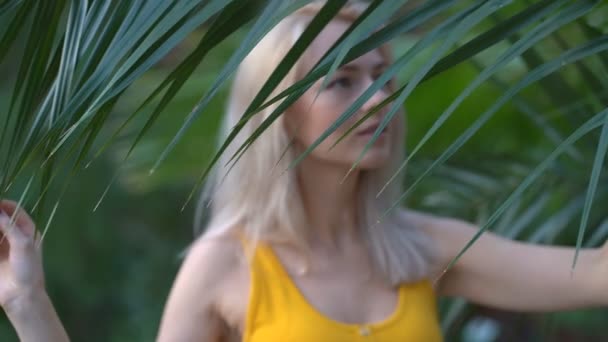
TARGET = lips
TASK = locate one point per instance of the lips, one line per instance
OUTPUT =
(369, 130)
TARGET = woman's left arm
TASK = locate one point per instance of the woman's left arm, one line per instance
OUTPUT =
(517, 276)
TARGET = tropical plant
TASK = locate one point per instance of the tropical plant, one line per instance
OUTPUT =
(539, 65)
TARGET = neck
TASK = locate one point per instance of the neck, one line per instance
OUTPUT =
(330, 203)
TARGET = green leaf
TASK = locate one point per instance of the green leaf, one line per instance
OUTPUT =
(379, 15)
(587, 74)
(570, 56)
(537, 118)
(317, 24)
(593, 186)
(526, 218)
(596, 121)
(391, 71)
(9, 5)
(599, 235)
(120, 80)
(272, 82)
(225, 24)
(31, 80)
(552, 226)
(497, 33)
(590, 33)
(267, 19)
(15, 26)
(414, 19)
(459, 30)
(527, 41)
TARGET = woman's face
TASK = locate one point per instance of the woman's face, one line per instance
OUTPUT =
(309, 117)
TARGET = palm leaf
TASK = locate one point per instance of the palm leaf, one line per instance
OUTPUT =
(593, 186)
(572, 55)
(77, 58)
(595, 122)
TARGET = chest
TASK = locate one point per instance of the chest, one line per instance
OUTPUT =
(345, 294)
(332, 306)
(339, 292)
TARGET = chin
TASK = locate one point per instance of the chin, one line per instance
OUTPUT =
(372, 165)
(373, 160)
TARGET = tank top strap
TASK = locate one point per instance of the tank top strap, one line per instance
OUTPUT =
(268, 296)
(262, 260)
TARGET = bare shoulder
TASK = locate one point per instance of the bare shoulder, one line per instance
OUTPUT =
(215, 256)
(212, 264)
(440, 228)
(449, 234)
(209, 265)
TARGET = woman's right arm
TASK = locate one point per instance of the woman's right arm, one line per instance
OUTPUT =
(22, 293)
(191, 313)
(35, 320)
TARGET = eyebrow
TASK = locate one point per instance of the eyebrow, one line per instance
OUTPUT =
(354, 67)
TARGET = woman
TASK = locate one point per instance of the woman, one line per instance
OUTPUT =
(298, 256)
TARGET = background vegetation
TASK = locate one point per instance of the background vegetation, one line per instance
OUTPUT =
(76, 70)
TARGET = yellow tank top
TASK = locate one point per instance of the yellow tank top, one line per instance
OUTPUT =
(277, 311)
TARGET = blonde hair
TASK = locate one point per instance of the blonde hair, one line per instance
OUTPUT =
(254, 199)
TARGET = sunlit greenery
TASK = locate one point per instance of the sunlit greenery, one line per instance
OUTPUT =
(73, 72)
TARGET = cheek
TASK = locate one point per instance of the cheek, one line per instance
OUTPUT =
(305, 122)
(313, 128)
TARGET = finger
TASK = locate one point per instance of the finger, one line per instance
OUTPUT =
(24, 234)
(19, 216)
(11, 231)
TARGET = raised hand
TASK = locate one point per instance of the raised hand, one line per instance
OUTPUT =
(21, 271)
(22, 293)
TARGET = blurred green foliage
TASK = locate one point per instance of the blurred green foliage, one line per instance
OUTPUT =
(109, 271)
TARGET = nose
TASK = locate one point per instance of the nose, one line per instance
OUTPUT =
(375, 100)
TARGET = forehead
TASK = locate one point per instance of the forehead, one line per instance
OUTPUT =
(324, 41)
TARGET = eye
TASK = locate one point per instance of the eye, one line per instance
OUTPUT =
(388, 85)
(341, 82)
(376, 77)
